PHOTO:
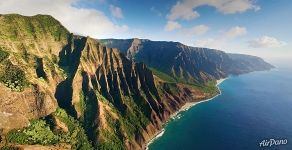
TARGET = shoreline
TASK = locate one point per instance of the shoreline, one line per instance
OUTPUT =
(185, 107)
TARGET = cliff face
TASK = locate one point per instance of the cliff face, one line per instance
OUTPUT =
(27, 47)
(110, 94)
(247, 63)
(118, 103)
(185, 63)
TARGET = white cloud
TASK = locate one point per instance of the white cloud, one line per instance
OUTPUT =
(182, 11)
(235, 32)
(82, 21)
(210, 43)
(198, 30)
(185, 9)
(266, 42)
(172, 25)
(220, 41)
(195, 30)
(116, 11)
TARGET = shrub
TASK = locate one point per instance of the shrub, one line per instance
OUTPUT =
(38, 132)
(9, 148)
(3, 55)
(13, 77)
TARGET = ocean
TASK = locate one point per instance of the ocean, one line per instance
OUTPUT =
(252, 108)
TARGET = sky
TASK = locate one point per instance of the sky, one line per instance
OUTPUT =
(257, 27)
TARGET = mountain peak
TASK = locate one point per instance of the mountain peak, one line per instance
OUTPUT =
(14, 26)
(39, 34)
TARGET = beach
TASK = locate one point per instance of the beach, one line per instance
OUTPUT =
(185, 107)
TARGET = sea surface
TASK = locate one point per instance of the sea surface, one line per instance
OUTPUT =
(252, 107)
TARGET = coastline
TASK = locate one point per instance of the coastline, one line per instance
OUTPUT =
(185, 107)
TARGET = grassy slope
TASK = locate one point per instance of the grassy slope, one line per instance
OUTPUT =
(209, 87)
(15, 27)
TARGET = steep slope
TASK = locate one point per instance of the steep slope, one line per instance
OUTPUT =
(131, 102)
(185, 63)
(27, 46)
(248, 63)
(77, 92)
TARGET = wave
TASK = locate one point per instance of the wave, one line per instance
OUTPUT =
(156, 137)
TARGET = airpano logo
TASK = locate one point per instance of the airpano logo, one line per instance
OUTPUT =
(273, 142)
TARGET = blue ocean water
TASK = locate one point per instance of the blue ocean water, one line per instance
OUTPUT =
(251, 108)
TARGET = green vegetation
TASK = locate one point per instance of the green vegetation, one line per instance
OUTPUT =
(52, 26)
(133, 120)
(88, 108)
(38, 132)
(112, 140)
(171, 88)
(76, 135)
(42, 132)
(82, 106)
(35, 27)
(3, 55)
(112, 137)
(163, 76)
(210, 87)
(129, 123)
(170, 79)
(12, 76)
(114, 144)
(8, 148)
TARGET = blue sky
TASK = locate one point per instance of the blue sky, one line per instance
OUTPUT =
(257, 27)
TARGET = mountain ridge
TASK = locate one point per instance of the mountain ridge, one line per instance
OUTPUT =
(182, 62)
(114, 102)
(78, 92)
